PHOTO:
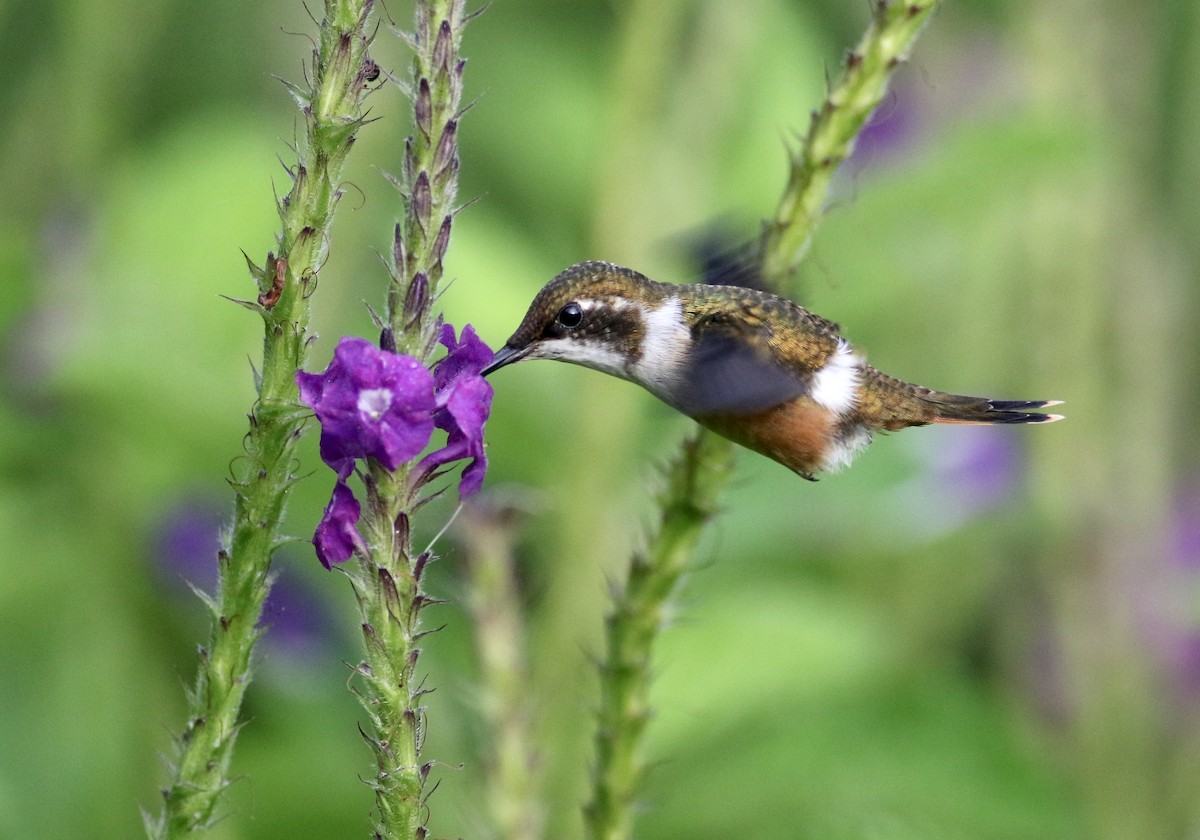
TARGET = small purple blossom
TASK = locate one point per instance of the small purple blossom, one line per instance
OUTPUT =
(187, 542)
(463, 418)
(464, 402)
(336, 536)
(371, 404)
(297, 621)
(964, 474)
(380, 405)
(185, 547)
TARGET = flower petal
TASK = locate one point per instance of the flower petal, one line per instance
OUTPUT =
(465, 356)
(463, 418)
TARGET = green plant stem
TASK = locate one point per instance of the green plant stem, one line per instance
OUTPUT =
(834, 126)
(701, 470)
(332, 109)
(694, 480)
(389, 601)
(494, 604)
(387, 577)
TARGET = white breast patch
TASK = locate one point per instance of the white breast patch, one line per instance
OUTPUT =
(665, 343)
(835, 386)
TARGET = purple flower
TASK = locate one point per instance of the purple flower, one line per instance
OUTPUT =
(963, 475)
(464, 358)
(336, 536)
(189, 536)
(297, 621)
(463, 418)
(371, 404)
(464, 402)
(380, 405)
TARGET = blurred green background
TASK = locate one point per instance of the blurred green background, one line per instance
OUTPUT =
(973, 633)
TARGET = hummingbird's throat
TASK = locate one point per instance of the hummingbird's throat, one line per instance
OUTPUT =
(590, 351)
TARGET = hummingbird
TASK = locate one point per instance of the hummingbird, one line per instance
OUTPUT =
(753, 367)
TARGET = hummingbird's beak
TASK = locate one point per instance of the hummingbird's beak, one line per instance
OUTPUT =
(504, 356)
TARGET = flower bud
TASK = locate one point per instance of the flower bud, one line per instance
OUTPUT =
(416, 298)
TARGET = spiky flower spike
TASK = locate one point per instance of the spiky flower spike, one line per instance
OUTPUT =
(331, 104)
(429, 178)
(387, 577)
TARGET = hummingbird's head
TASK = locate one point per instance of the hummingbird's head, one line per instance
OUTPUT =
(594, 314)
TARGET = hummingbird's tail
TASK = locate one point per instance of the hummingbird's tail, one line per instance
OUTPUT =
(889, 403)
(952, 408)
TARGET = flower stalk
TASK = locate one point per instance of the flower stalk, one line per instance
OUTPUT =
(694, 480)
(381, 408)
(331, 102)
(699, 473)
(495, 606)
(833, 128)
(387, 575)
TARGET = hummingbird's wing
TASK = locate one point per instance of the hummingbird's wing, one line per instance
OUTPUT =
(738, 366)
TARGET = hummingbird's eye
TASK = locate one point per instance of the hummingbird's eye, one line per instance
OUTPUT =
(570, 315)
